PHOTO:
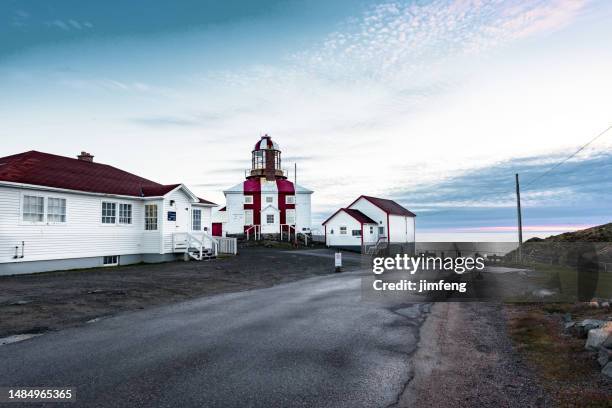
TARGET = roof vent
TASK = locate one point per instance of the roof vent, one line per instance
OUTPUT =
(85, 157)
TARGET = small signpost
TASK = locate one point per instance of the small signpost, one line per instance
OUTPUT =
(338, 261)
(171, 215)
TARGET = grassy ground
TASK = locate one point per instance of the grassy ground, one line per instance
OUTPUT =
(569, 374)
(566, 281)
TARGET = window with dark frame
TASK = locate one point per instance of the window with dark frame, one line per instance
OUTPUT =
(111, 260)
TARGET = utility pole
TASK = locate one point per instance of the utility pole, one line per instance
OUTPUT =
(520, 220)
(295, 200)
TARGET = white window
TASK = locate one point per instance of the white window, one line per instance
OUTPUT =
(33, 208)
(125, 213)
(290, 217)
(109, 212)
(196, 220)
(371, 230)
(248, 217)
(356, 233)
(269, 199)
(248, 199)
(289, 199)
(111, 260)
(151, 217)
(56, 209)
(342, 230)
(270, 218)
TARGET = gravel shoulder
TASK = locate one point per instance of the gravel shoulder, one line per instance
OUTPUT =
(465, 359)
(51, 301)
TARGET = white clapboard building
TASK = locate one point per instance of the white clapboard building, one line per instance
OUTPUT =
(62, 213)
(266, 202)
(369, 221)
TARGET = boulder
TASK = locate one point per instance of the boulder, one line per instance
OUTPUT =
(582, 328)
(607, 370)
(604, 356)
(597, 337)
(607, 342)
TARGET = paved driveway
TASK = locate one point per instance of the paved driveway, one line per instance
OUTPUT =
(311, 343)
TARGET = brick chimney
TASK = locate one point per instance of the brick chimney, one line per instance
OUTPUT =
(85, 157)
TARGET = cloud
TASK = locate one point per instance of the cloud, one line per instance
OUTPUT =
(484, 198)
(70, 25)
(400, 36)
(156, 121)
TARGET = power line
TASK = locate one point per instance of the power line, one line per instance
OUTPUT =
(567, 158)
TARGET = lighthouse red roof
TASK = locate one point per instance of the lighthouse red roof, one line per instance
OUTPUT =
(266, 143)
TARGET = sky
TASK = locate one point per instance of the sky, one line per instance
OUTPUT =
(436, 104)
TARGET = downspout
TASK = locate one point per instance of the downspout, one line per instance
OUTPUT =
(362, 236)
(325, 226)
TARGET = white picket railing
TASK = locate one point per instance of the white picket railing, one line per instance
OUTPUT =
(183, 241)
(227, 245)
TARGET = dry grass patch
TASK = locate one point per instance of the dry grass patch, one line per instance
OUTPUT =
(569, 374)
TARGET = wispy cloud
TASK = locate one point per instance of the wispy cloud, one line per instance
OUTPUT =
(70, 25)
(403, 36)
(156, 121)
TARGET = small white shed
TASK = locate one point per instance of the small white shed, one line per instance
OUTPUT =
(368, 220)
(350, 228)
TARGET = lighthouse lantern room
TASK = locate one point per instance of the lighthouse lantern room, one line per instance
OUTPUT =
(266, 201)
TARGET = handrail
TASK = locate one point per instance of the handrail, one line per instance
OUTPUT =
(373, 249)
(213, 240)
(290, 227)
(257, 231)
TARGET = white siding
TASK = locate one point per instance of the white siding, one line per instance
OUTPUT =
(83, 234)
(303, 214)
(235, 213)
(342, 219)
(370, 237)
(372, 212)
(182, 207)
(402, 228)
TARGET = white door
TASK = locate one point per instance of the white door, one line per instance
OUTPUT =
(270, 221)
(183, 222)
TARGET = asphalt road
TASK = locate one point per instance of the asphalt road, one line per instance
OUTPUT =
(311, 343)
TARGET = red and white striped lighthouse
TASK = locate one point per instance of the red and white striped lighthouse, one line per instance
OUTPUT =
(266, 201)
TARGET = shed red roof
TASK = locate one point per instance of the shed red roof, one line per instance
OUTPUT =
(356, 214)
(388, 206)
(50, 170)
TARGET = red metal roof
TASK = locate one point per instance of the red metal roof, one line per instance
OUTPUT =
(388, 206)
(50, 170)
(203, 201)
(356, 214)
